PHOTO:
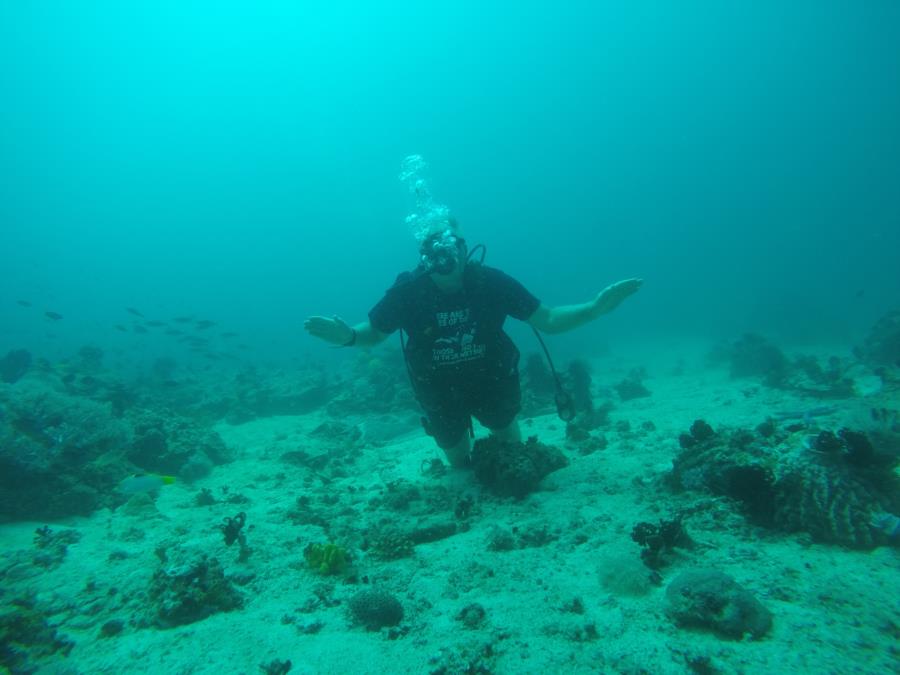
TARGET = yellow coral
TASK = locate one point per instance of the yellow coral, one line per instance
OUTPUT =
(326, 559)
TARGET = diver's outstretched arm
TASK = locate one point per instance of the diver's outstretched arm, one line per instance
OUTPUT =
(566, 317)
(334, 330)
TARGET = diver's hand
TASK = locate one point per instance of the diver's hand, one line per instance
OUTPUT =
(613, 295)
(333, 330)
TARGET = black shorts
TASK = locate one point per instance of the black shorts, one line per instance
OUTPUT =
(450, 405)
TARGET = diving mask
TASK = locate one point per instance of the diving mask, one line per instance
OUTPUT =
(442, 252)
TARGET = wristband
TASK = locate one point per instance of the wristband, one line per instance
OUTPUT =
(352, 340)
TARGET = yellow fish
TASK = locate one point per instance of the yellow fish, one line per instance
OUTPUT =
(145, 482)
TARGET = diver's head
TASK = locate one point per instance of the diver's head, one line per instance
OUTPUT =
(444, 251)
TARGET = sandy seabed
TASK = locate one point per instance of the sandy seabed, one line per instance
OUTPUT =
(570, 595)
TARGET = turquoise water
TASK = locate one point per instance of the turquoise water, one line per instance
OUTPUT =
(744, 159)
(182, 184)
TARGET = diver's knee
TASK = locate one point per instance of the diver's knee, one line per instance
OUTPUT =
(511, 433)
(459, 454)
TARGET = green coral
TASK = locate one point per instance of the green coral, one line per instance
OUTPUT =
(326, 559)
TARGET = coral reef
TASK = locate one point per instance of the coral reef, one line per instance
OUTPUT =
(514, 469)
(430, 512)
(475, 657)
(836, 487)
(375, 609)
(190, 588)
(205, 498)
(500, 539)
(399, 495)
(711, 599)
(169, 444)
(700, 432)
(83, 375)
(882, 345)
(112, 628)
(472, 616)
(832, 505)
(52, 546)
(809, 377)
(538, 386)
(538, 377)
(737, 464)
(276, 667)
(434, 531)
(59, 455)
(336, 443)
(232, 531)
(841, 489)
(578, 430)
(633, 385)
(14, 365)
(754, 356)
(27, 641)
(377, 384)
(260, 394)
(388, 542)
(658, 542)
(578, 381)
(574, 403)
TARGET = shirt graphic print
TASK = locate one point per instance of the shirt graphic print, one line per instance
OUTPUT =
(457, 343)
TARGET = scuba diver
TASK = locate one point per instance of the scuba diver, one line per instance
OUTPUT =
(460, 361)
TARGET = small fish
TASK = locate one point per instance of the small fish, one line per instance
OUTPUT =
(805, 415)
(229, 334)
(56, 316)
(140, 329)
(141, 483)
(203, 324)
(23, 303)
(183, 319)
(156, 324)
(174, 331)
(120, 327)
(132, 310)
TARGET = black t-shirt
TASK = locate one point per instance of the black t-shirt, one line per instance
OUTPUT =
(457, 333)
